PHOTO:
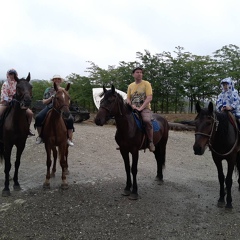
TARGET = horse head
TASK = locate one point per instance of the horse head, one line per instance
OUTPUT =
(204, 128)
(23, 91)
(61, 101)
(109, 106)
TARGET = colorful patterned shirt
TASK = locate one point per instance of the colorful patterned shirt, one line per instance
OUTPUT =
(8, 90)
(139, 92)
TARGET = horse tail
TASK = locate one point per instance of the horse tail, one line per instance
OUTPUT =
(1, 152)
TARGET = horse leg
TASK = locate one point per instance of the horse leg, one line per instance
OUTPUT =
(7, 168)
(134, 193)
(64, 184)
(238, 169)
(228, 182)
(221, 178)
(20, 149)
(127, 189)
(46, 184)
(54, 162)
(66, 160)
(160, 156)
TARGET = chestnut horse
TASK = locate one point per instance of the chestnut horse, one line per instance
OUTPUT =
(219, 131)
(14, 130)
(54, 134)
(131, 138)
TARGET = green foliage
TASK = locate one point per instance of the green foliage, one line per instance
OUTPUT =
(179, 79)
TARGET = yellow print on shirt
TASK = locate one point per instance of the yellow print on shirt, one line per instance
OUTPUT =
(138, 99)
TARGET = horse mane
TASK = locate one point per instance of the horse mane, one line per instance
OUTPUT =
(223, 119)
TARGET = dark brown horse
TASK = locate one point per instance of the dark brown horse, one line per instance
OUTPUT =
(219, 131)
(130, 138)
(14, 130)
(54, 134)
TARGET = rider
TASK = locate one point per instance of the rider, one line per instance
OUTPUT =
(8, 91)
(139, 96)
(47, 100)
(228, 99)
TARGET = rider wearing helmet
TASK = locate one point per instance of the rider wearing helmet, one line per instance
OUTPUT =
(8, 91)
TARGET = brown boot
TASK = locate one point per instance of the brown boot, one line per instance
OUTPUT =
(151, 147)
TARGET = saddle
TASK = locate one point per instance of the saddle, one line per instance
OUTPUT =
(138, 119)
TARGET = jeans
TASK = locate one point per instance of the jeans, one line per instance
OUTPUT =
(42, 114)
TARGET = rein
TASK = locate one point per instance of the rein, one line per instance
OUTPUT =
(215, 123)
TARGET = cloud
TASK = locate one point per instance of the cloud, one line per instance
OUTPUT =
(58, 36)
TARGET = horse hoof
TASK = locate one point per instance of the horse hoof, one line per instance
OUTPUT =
(64, 186)
(46, 185)
(133, 196)
(221, 204)
(52, 175)
(159, 180)
(6, 193)
(17, 187)
(126, 192)
(228, 207)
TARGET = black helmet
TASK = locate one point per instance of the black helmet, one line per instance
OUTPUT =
(12, 71)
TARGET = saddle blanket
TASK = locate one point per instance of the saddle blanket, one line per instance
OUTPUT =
(155, 124)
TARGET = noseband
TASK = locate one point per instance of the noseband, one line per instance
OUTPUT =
(215, 123)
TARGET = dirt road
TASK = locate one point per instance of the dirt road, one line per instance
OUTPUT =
(184, 207)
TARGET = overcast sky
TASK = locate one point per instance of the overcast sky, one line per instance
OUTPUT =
(47, 37)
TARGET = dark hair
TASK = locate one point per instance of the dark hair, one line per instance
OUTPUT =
(137, 68)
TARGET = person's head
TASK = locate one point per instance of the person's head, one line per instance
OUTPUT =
(57, 79)
(137, 73)
(11, 73)
(227, 84)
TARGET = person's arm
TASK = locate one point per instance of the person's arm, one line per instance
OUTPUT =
(146, 102)
(4, 94)
(48, 100)
(47, 97)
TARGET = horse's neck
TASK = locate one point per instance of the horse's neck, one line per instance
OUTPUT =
(225, 132)
(126, 122)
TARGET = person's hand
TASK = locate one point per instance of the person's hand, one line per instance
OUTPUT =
(228, 108)
(134, 106)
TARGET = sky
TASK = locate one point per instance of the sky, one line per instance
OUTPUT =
(48, 37)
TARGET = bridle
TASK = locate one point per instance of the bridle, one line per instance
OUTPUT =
(58, 110)
(109, 110)
(215, 124)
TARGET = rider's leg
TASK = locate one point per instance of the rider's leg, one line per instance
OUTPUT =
(147, 117)
(29, 118)
(70, 128)
(38, 123)
(2, 109)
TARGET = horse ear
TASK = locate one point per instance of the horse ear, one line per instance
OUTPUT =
(55, 87)
(113, 89)
(210, 107)
(16, 77)
(198, 107)
(28, 77)
(104, 89)
(67, 87)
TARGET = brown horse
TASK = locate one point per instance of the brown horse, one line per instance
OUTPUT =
(54, 134)
(14, 130)
(219, 131)
(131, 138)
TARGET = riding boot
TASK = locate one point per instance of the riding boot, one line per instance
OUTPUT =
(149, 131)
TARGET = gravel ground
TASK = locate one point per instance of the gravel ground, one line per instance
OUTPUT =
(184, 207)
